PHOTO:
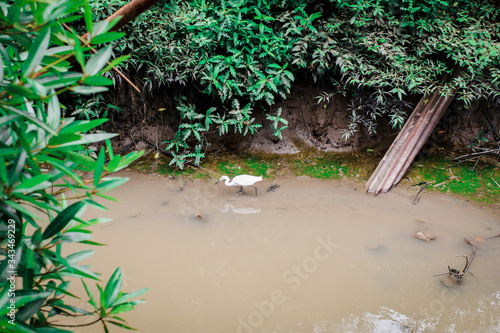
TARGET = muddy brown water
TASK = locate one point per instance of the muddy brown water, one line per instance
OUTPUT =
(313, 256)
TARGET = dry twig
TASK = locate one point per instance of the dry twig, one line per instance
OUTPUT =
(455, 274)
(273, 187)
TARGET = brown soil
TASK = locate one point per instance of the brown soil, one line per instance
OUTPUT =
(310, 125)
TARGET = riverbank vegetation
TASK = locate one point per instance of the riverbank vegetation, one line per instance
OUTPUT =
(47, 178)
(213, 66)
(217, 64)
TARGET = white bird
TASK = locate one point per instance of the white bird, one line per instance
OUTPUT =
(241, 181)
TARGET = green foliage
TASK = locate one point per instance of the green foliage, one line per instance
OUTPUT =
(275, 120)
(93, 107)
(42, 158)
(253, 50)
(195, 124)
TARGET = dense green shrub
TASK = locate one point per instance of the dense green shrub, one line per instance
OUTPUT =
(43, 156)
(253, 50)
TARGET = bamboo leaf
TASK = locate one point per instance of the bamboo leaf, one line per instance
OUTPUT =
(32, 119)
(79, 56)
(62, 219)
(18, 166)
(86, 90)
(107, 37)
(36, 183)
(125, 297)
(53, 112)
(98, 81)
(99, 167)
(89, 294)
(79, 256)
(87, 14)
(36, 52)
(98, 61)
(112, 289)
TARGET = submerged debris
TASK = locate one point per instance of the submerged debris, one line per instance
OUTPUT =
(416, 199)
(185, 183)
(455, 274)
(273, 187)
(424, 235)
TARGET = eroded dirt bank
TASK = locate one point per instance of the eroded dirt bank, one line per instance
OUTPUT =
(310, 125)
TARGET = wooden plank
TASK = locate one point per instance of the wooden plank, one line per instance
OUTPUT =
(410, 140)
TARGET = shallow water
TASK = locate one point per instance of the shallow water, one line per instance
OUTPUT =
(313, 256)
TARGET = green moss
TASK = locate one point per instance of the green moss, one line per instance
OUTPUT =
(474, 181)
(256, 166)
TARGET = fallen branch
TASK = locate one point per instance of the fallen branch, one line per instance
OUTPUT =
(416, 199)
(182, 188)
(455, 274)
(273, 187)
(475, 155)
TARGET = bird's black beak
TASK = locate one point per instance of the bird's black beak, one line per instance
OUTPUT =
(217, 182)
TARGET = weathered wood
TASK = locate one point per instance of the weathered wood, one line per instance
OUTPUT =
(129, 12)
(410, 140)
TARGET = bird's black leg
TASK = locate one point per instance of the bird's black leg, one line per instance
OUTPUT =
(255, 189)
(242, 190)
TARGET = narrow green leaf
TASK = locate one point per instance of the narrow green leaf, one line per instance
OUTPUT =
(97, 61)
(113, 163)
(80, 272)
(35, 183)
(79, 56)
(98, 81)
(52, 81)
(109, 148)
(115, 62)
(99, 167)
(120, 324)
(25, 296)
(65, 167)
(109, 183)
(36, 52)
(107, 37)
(89, 138)
(79, 256)
(82, 125)
(125, 297)
(7, 268)
(121, 308)
(32, 119)
(89, 294)
(61, 306)
(74, 237)
(87, 14)
(53, 112)
(83, 161)
(87, 90)
(23, 210)
(30, 309)
(8, 119)
(15, 89)
(15, 171)
(62, 219)
(113, 289)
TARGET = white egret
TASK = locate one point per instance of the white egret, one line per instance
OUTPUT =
(241, 181)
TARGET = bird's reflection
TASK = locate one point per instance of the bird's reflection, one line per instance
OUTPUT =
(239, 210)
